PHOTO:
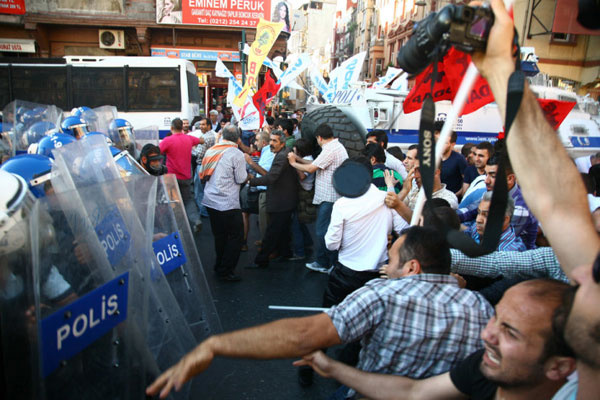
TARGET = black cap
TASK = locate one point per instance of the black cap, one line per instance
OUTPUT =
(352, 179)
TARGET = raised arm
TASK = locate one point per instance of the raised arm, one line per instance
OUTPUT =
(380, 386)
(292, 337)
(538, 157)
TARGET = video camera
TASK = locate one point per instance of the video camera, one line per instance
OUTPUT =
(464, 27)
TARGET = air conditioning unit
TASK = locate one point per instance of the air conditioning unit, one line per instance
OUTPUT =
(111, 39)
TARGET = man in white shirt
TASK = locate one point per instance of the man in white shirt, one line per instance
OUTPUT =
(358, 230)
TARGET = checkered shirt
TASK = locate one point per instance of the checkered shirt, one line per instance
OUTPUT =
(417, 326)
(538, 263)
(200, 150)
(331, 157)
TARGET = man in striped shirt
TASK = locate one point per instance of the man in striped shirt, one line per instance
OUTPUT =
(508, 240)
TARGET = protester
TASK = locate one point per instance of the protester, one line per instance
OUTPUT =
(178, 149)
(151, 160)
(224, 170)
(332, 155)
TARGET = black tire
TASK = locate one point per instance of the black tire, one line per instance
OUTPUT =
(348, 134)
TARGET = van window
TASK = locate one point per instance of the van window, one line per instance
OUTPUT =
(155, 89)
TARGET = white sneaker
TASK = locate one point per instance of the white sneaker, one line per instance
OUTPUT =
(315, 266)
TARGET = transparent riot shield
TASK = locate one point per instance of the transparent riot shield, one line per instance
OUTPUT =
(88, 186)
(100, 118)
(143, 136)
(19, 116)
(176, 253)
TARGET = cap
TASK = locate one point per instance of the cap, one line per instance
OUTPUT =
(352, 179)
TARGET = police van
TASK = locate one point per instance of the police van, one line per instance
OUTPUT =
(145, 90)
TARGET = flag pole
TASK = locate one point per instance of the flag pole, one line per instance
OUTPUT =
(457, 105)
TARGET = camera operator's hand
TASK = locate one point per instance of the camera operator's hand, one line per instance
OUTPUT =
(497, 63)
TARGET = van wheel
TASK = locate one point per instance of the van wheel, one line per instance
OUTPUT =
(348, 134)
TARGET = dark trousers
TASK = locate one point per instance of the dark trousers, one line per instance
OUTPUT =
(343, 281)
(277, 237)
(228, 231)
(191, 209)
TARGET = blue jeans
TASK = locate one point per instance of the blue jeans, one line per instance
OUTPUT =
(324, 257)
(300, 236)
(199, 193)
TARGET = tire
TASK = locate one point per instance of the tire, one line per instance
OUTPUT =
(348, 134)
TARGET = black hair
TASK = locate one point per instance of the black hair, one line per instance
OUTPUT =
(466, 149)
(286, 125)
(270, 120)
(380, 136)
(495, 159)
(428, 247)
(304, 147)
(359, 159)
(374, 150)
(486, 146)
(413, 147)
(594, 172)
(324, 131)
(440, 216)
(397, 152)
(589, 182)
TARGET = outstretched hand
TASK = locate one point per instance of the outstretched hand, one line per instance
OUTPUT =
(190, 365)
(317, 361)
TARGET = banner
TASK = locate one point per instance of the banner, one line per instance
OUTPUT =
(266, 93)
(318, 81)
(349, 71)
(449, 77)
(234, 13)
(12, 7)
(266, 34)
(389, 76)
(556, 111)
(289, 75)
(222, 72)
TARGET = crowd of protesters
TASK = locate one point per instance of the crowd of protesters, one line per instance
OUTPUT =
(418, 319)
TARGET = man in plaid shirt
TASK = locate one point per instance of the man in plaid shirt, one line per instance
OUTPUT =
(419, 325)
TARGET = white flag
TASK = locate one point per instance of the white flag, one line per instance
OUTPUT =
(289, 75)
(389, 76)
(222, 72)
(349, 71)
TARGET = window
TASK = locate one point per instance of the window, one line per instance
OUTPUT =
(4, 93)
(154, 89)
(94, 87)
(193, 92)
(378, 66)
(563, 38)
(44, 85)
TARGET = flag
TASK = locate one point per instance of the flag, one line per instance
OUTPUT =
(389, 76)
(450, 73)
(556, 111)
(266, 34)
(262, 98)
(289, 75)
(349, 71)
(318, 81)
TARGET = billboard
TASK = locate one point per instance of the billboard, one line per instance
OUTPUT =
(233, 13)
(12, 7)
(229, 13)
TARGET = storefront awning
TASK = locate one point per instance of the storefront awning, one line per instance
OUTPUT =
(17, 45)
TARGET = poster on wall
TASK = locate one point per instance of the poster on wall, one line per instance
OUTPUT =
(12, 7)
(233, 13)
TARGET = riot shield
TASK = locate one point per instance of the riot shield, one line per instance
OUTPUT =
(176, 253)
(143, 136)
(89, 188)
(19, 116)
(100, 118)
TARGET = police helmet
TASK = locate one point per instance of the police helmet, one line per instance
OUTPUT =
(49, 143)
(14, 197)
(35, 169)
(74, 126)
(121, 133)
(39, 130)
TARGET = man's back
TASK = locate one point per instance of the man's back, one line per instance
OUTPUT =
(331, 157)
(359, 228)
(178, 149)
(222, 191)
(416, 326)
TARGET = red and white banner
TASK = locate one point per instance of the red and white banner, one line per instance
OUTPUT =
(235, 13)
(12, 7)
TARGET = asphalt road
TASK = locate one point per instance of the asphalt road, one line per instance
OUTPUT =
(245, 303)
